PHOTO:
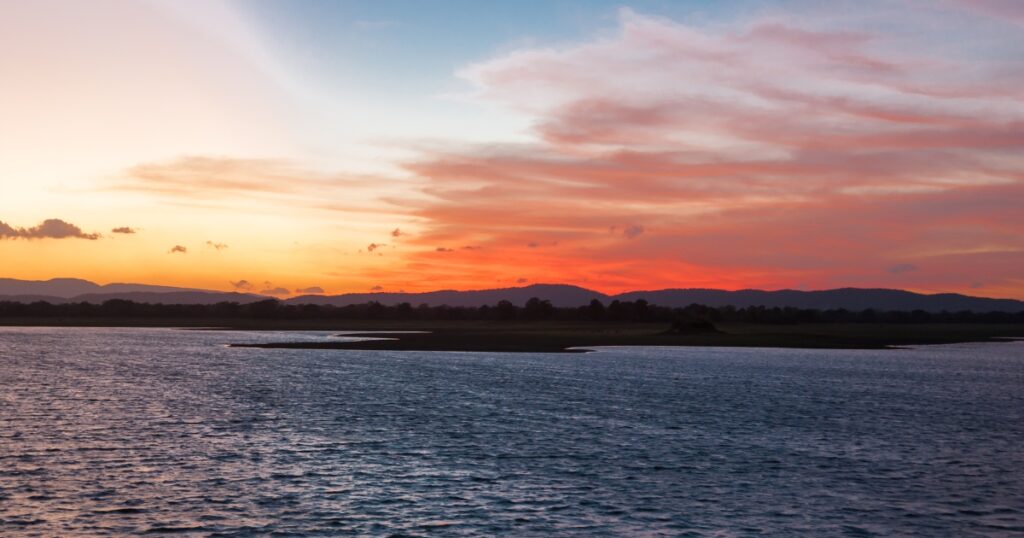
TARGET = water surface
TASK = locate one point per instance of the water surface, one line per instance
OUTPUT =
(129, 431)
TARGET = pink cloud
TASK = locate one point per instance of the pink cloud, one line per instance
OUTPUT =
(764, 154)
(1008, 10)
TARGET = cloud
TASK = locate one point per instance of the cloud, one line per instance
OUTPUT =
(204, 177)
(1011, 11)
(276, 292)
(377, 288)
(310, 290)
(632, 231)
(521, 281)
(178, 249)
(123, 230)
(902, 268)
(218, 181)
(396, 232)
(374, 246)
(765, 152)
(216, 246)
(48, 229)
(242, 285)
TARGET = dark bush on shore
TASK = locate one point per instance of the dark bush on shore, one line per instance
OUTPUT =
(690, 325)
(639, 311)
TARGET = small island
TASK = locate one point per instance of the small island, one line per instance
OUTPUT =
(580, 337)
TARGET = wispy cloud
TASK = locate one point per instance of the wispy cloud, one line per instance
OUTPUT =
(221, 181)
(1011, 11)
(216, 246)
(901, 268)
(768, 152)
(124, 230)
(178, 249)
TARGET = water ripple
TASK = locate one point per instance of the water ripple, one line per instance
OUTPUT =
(108, 432)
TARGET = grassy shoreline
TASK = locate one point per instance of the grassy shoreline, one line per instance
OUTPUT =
(553, 336)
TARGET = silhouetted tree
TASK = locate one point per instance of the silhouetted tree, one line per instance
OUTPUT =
(595, 312)
(538, 309)
(506, 310)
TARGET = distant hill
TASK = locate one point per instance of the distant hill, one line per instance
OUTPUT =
(848, 298)
(567, 296)
(174, 297)
(560, 295)
(33, 299)
(74, 290)
(71, 287)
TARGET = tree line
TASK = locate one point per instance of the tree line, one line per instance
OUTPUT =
(535, 309)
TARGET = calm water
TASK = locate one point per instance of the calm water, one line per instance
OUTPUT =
(126, 431)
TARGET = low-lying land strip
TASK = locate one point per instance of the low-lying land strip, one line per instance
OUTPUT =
(553, 337)
(538, 326)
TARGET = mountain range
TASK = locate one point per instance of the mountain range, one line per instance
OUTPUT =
(76, 290)
(63, 290)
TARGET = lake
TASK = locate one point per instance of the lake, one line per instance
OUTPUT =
(131, 431)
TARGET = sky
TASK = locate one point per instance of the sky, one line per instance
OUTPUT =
(292, 147)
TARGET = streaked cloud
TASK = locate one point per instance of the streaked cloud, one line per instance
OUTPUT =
(875, 143)
(178, 249)
(1010, 11)
(761, 153)
(219, 181)
(901, 268)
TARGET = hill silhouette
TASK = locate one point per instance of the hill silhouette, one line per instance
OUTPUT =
(568, 296)
(62, 290)
(560, 295)
(67, 288)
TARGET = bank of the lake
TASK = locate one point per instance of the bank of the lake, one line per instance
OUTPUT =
(567, 337)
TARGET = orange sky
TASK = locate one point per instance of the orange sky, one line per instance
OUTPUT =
(206, 145)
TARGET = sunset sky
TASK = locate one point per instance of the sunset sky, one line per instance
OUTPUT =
(357, 146)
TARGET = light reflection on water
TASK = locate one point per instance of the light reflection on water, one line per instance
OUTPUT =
(124, 431)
